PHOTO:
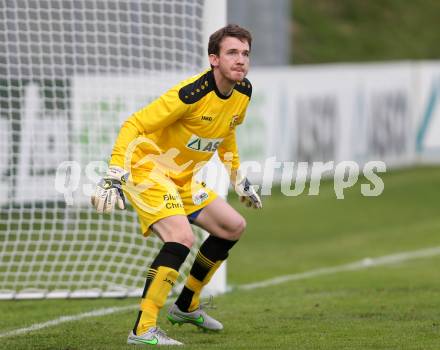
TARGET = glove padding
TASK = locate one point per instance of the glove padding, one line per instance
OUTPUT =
(109, 191)
(248, 195)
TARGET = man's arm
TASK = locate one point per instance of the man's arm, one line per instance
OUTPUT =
(157, 115)
(228, 153)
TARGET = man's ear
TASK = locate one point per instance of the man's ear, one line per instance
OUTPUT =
(213, 60)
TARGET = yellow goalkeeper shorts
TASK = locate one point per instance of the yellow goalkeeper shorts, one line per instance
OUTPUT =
(156, 197)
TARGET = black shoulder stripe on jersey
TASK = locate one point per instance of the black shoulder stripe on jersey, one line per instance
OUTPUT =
(245, 87)
(196, 90)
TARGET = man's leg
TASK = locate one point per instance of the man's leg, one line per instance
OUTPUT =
(225, 226)
(178, 238)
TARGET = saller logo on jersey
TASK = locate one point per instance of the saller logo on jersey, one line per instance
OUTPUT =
(200, 144)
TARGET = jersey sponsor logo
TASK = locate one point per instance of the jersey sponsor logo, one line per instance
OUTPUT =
(201, 144)
(171, 197)
(173, 201)
(207, 118)
(200, 197)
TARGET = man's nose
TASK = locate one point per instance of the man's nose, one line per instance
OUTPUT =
(240, 59)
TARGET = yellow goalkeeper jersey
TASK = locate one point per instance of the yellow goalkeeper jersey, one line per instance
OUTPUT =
(183, 128)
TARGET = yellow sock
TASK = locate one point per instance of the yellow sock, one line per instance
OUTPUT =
(157, 293)
(196, 286)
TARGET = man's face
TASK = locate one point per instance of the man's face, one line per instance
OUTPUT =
(233, 59)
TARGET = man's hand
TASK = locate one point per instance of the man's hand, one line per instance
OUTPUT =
(109, 190)
(247, 194)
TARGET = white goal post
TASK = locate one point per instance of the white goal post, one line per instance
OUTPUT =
(70, 73)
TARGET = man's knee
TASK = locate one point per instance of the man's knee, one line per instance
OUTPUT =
(175, 230)
(237, 227)
(186, 238)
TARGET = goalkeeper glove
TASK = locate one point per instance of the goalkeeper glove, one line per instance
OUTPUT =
(247, 194)
(109, 190)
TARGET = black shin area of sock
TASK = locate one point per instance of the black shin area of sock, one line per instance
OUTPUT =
(172, 255)
(215, 248)
(212, 250)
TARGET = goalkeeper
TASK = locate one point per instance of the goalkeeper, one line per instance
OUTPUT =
(156, 154)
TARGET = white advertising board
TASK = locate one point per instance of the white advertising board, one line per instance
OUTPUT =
(321, 103)
(428, 112)
(334, 113)
(385, 105)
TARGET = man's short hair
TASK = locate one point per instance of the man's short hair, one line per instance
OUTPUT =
(231, 30)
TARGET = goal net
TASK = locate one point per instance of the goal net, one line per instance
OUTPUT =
(70, 73)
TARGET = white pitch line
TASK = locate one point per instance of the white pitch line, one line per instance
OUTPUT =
(64, 319)
(362, 264)
(358, 265)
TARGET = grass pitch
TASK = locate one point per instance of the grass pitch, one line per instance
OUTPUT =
(359, 31)
(394, 306)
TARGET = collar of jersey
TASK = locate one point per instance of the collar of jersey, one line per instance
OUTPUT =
(217, 91)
